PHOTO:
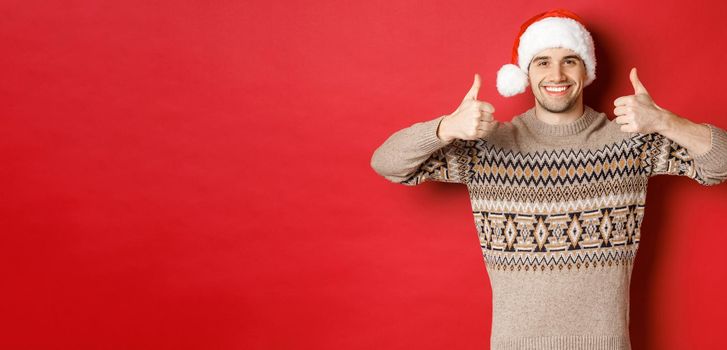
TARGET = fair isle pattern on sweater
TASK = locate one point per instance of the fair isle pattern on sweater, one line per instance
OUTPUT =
(558, 212)
(587, 205)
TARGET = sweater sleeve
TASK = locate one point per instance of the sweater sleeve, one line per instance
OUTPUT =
(415, 154)
(663, 156)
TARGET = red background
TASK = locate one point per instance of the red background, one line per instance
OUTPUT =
(195, 174)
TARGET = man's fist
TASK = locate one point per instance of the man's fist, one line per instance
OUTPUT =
(471, 120)
(638, 112)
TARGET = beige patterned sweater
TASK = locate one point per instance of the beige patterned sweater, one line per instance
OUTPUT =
(558, 210)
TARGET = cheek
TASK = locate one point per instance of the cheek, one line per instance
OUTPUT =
(533, 79)
(534, 85)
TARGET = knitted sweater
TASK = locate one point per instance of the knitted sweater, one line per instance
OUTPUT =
(558, 211)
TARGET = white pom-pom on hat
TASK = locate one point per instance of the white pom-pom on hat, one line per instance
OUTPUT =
(556, 28)
(511, 80)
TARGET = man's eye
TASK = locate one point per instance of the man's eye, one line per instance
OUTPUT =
(542, 63)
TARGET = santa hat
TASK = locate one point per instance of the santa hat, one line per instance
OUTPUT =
(557, 28)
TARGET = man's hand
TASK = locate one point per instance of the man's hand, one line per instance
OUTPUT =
(471, 120)
(638, 112)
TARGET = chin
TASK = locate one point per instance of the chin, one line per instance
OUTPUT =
(561, 108)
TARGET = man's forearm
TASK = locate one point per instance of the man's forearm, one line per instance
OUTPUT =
(696, 138)
(403, 152)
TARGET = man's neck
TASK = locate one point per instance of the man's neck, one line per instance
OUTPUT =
(559, 118)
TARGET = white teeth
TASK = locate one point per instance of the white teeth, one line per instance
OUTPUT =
(555, 89)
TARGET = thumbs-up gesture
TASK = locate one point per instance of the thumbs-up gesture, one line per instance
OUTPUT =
(638, 112)
(472, 120)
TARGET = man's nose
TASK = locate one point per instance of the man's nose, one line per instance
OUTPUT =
(557, 73)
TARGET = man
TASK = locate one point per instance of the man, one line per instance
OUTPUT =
(558, 194)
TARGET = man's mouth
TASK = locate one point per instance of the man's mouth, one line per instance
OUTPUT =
(557, 90)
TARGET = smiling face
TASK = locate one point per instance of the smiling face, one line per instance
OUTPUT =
(556, 77)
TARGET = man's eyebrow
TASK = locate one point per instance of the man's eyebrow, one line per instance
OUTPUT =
(548, 57)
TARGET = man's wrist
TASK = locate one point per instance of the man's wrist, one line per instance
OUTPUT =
(441, 130)
(670, 122)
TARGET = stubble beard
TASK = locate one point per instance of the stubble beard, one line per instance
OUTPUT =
(556, 107)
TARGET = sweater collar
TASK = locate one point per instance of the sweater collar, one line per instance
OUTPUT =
(540, 127)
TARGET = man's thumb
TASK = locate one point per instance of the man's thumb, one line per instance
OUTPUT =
(475, 89)
(638, 86)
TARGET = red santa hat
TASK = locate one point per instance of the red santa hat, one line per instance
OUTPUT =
(556, 28)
